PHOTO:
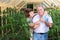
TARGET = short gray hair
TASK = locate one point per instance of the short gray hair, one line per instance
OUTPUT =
(39, 6)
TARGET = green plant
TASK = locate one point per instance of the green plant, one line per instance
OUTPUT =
(54, 32)
(14, 25)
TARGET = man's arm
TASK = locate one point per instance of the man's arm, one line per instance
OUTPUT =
(48, 23)
(37, 24)
(36, 21)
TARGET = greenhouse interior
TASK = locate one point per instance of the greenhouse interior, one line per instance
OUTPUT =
(13, 21)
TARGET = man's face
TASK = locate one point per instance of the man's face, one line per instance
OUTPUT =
(40, 11)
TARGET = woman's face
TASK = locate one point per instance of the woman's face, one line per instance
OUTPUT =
(31, 14)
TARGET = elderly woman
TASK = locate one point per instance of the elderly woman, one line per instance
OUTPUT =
(30, 14)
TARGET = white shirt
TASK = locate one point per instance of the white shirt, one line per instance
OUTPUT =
(43, 28)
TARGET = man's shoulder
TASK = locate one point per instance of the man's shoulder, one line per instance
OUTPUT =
(49, 15)
(36, 18)
(36, 15)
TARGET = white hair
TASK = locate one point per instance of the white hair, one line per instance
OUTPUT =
(39, 6)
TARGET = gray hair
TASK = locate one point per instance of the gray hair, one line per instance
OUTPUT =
(39, 6)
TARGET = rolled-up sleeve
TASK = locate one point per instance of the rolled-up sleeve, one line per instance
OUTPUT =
(50, 19)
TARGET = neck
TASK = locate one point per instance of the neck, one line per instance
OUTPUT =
(41, 15)
(31, 16)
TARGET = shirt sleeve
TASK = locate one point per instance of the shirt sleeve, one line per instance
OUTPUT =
(50, 19)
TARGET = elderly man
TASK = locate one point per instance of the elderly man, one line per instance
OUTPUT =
(41, 24)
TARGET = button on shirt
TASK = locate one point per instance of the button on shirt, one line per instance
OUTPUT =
(43, 28)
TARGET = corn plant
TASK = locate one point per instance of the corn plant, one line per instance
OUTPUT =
(54, 33)
(13, 25)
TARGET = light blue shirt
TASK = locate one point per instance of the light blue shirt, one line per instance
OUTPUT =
(43, 28)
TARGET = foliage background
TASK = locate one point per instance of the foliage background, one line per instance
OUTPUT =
(54, 33)
(13, 25)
